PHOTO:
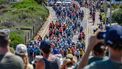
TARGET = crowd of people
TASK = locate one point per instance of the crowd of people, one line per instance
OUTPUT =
(61, 33)
(58, 50)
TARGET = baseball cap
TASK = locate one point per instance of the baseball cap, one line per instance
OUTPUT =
(4, 34)
(114, 36)
(21, 49)
(45, 44)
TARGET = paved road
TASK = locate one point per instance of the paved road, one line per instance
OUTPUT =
(87, 24)
(83, 23)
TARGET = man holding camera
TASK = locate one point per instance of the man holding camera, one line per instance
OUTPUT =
(113, 40)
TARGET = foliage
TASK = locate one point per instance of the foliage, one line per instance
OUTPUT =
(31, 6)
(115, 6)
(41, 1)
(120, 6)
(2, 1)
(103, 17)
(117, 16)
(7, 24)
(16, 38)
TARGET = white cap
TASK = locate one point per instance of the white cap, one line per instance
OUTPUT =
(21, 49)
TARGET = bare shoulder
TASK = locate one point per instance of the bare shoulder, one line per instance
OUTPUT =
(40, 65)
(39, 62)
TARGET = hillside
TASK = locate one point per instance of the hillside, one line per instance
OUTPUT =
(25, 13)
(24, 19)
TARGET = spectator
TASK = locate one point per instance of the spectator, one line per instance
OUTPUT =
(113, 40)
(45, 62)
(93, 17)
(71, 57)
(7, 59)
(68, 62)
(21, 50)
(98, 53)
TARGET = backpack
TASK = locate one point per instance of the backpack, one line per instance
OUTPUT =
(50, 64)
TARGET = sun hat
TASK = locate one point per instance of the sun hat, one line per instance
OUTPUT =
(21, 49)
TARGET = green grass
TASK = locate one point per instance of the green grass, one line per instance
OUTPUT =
(30, 6)
(2, 1)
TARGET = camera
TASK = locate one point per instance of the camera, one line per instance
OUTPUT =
(101, 35)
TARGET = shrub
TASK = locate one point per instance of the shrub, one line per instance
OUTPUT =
(2, 1)
(117, 16)
(16, 38)
(103, 17)
(115, 6)
(8, 24)
(120, 6)
(30, 9)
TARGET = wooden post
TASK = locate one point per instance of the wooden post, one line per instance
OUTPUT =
(25, 38)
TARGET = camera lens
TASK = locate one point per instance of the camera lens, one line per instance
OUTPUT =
(101, 35)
